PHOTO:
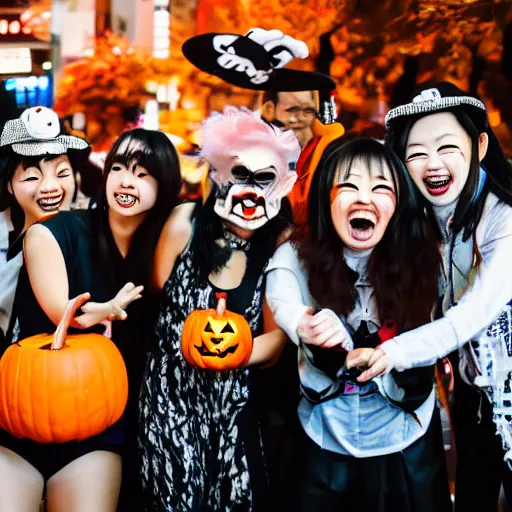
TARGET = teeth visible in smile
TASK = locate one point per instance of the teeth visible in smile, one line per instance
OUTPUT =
(363, 215)
(249, 203)
(51, 203)
(437, 181)
(125, 199)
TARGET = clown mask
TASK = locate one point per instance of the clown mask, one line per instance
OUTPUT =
(250, 191)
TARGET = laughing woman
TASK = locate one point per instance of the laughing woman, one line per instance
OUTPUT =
(95, 251)
(444, 138)
(37, 178)
(367, 268)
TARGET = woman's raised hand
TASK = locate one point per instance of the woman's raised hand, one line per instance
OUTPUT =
(324, 330)
(125, 296)
(114, 309)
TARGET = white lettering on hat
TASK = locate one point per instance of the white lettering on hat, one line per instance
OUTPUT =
(222, 41)
(229, 60)
(427, 95)
(281, 47)
(41, 122)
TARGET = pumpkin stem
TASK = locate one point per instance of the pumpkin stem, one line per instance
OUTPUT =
(221, 303)
(59, 337)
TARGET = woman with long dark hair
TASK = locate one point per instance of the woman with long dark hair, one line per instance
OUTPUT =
(97, 252)
(444, 138)
(199, 437)
(365, 269)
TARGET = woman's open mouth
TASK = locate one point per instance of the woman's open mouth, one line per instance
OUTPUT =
(248, 206)
(125, 200)
(361, 225)
(51, 204)
(438, 185)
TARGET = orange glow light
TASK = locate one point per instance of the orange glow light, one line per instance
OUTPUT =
(15, 27)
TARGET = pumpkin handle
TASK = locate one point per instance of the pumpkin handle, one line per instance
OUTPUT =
(221, 303)
(61, 332)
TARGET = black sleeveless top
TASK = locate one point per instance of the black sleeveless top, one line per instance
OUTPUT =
(75, 236)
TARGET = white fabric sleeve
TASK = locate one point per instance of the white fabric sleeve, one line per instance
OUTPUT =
(480, 305)
(389, 388)
(285, 301)
(286, 290)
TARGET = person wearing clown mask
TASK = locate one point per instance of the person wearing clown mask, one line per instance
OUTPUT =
(444, 138)
(365, 269)
(199, 438)
(250, 190)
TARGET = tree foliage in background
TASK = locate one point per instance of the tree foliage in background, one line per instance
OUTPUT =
(109, 87)
(371, 40)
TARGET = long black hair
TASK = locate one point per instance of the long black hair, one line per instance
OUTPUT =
(155, 152)
(211, 257)
(499, 171)
(403, 267)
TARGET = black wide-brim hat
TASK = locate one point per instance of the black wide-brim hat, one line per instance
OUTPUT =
(241, 61)
(434, 98)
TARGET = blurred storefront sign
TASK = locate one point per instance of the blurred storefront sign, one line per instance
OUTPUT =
(30, 91)
(15, 60)
(73, 25)
(25, 59)
(18, 30)
(161, 29)
(146, 23)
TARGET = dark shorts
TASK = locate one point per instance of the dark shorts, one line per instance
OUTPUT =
(50, 458)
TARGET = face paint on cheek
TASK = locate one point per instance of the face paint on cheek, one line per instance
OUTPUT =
(334, 193)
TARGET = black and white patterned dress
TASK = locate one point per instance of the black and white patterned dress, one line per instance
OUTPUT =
(193, 433)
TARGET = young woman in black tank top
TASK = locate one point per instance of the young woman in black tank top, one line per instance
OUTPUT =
(98, 252)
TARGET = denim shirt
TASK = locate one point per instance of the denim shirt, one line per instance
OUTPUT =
(360, 421)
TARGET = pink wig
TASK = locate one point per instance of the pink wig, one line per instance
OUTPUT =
(225, 135)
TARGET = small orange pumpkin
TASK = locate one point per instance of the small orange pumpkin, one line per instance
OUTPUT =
(58, 388)
(216, 339)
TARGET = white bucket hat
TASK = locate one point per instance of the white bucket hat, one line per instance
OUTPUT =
(37, 132)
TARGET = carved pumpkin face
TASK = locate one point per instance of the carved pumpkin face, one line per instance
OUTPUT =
(216, 340)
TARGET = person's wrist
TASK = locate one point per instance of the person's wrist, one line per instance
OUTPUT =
(393, 353)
